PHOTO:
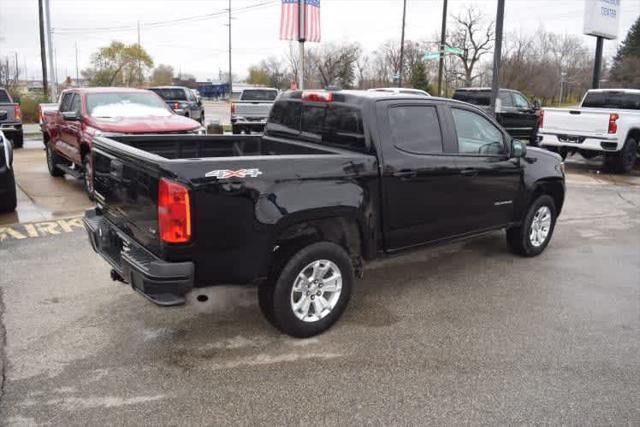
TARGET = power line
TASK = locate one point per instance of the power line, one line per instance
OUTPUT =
(164, 23)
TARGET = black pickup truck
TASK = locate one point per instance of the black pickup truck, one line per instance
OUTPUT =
(338, 178)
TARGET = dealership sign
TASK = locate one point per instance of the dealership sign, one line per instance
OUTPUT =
(601, 18)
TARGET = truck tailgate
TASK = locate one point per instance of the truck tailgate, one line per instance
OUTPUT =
(8, 112)
(127, 191)
(579, 122)
(253, 109)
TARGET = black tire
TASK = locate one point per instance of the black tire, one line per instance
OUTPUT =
(53, 160)
(202, 119)
(18, 140)
(87, 167)
(9, 201)
(519, 238)
(624, 160)
(235, 130)
(275, 297)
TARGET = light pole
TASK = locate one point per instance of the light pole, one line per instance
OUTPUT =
(497, 56)
(404, 15)
(443, 40)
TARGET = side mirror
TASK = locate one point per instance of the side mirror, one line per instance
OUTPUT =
(71, 116)
(536, 104)
(518, 148)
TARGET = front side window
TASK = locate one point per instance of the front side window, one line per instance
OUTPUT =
(520, 101)
(75, 105)
(476, 134)
(416, 129)
(65, 104)
(505, 99)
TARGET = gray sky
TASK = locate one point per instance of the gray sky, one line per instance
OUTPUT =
(199, 45)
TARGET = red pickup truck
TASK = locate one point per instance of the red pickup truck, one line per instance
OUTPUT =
(87, 112)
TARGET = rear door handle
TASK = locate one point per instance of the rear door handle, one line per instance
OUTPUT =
(469, 172)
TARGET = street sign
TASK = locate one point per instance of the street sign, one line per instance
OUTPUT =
(454, 50)
(429, 56)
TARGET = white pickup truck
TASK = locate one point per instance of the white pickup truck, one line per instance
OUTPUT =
(607, 122)
(250, 112)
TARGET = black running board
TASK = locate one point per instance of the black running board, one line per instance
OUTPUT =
(76, 173)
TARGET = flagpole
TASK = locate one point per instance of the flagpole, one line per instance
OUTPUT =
(301, 37)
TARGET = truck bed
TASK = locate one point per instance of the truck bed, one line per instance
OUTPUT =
(198, 147)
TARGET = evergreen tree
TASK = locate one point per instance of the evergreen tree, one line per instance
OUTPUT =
(419, 78)
(626, 64)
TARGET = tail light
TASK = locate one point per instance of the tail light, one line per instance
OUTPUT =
(317, 96)
(176, 105)
(613, 126)
(174, 212)
(233, 108)
(18, 113)
(40, 115)
(541, 119)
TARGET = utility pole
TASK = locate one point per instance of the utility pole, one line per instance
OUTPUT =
(230, 73)
(404, 15)
(52, 70)
(301, 38)
(139, 66)
(17, 67)
(443, 40)
(43, 50)
(77, 73)
(497, 56)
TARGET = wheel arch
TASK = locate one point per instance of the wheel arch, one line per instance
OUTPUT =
(554, 188)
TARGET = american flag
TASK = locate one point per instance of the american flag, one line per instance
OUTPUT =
(289, 20)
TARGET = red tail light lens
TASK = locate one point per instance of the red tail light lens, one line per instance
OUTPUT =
(176, 105)
(541, 119)
(174, 212)
(317, 96)
(18, 113)
(613, 126)
(233, 108)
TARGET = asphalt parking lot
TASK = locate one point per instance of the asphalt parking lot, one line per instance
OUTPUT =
(465, 333)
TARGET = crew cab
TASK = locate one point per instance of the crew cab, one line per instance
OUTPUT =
(514, 111)
(607, 122)
(250, 111)
(182, 100)
(337, 179)
(11, 119)
(8, 199)
(86, 112)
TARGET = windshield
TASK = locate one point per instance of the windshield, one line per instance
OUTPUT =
(259, 95)
(171, 94)
(473, 97)
(132, 104)
(618, 100)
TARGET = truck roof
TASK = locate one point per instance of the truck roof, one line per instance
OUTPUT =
(637, 91)
(105, 89)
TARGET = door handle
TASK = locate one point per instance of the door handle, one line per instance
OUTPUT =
(406, 175)
(469, 172)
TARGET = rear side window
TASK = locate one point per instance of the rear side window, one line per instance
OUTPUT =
(616, 100)
(284, 118)
(473, 97)
(334, 124)
(4, 96)
(416, 129)
(259, 95)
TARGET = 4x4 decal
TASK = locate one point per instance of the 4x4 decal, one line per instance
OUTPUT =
(228, 173)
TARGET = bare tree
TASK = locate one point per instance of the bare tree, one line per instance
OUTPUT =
(334, 64)
(475, 37)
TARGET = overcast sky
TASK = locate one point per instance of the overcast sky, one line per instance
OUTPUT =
(198, 45)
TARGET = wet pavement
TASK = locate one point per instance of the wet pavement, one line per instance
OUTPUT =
(460, 334)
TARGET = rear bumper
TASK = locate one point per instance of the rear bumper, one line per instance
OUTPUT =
(249, 121)
(11, 128)
(164, 283)
(579, 142)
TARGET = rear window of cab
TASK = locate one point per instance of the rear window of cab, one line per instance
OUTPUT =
(333, 124)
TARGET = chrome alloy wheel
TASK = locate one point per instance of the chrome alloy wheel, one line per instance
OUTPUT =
(540, 226)
(316, 290)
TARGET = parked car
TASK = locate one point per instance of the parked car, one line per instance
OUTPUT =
(401, 91)
(86, 112)
(514, 111)
(337, 179)
(11, 119)
(8, 199)
(607, 122)
(250, 111)
(182, 100)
